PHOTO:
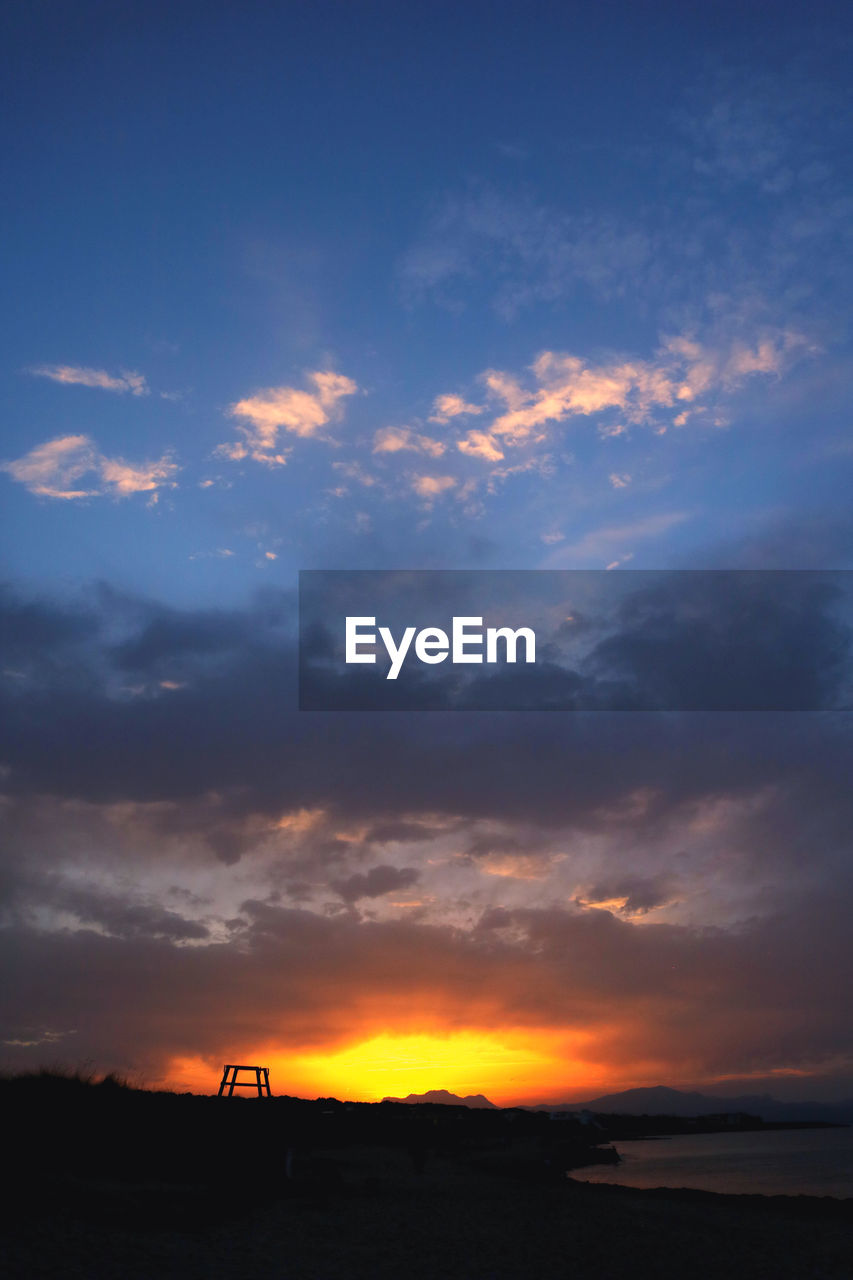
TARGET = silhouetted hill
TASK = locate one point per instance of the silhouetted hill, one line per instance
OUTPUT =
(661, 1100)
(447, 1099)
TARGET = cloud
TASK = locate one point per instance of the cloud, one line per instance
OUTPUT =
(376, 882)
(703, 369)
(630, 895)
(763, 130)
(601, 544)
(159, 864)
(219, 740)
(765, 357)
(529, 252)
(303, 413)
(452, 406)
(355, 472)
(53, 469)
(619, 392)
(222, 553)
(639, 1004)
(123, 478)
(79, 376)
(116, 914)
(431, 487)
(738, 140)
(479, 444)
(398, 439)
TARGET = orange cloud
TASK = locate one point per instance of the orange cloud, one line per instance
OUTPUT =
(766, 357)
(398, 439)
(127, 380)
(431, 487)
(303, 413)
(565, 387)
(53, 469)
(123, 478)
(479, 444)
(525, 1003)
(452, 406)
(569, 388)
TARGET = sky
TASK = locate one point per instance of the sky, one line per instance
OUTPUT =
(373, 286)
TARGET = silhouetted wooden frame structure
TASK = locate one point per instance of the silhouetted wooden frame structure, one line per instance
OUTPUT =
(230, 1082)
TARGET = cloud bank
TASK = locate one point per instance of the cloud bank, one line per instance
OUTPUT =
(226, 873)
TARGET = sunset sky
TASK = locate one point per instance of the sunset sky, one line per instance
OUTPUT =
(397, 286)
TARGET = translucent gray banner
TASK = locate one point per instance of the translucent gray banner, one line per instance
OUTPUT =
(575, 640)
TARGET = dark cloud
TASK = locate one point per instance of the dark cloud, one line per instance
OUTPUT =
(750, 641)
(376, 882)
(794, 540)
(40, 628)
(172, 638)
(229, 747)
(689, 1000)
(127, 915)
(748, 813)
(641, 894)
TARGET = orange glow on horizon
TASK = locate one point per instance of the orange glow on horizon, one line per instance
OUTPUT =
(509, 1066)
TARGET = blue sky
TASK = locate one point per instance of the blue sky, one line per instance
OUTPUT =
(229, 203)
(444, 286)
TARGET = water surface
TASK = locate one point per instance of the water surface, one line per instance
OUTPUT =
(815, 1162)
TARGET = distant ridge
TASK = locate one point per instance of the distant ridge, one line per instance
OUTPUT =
(661, 1100)
(446, 1099)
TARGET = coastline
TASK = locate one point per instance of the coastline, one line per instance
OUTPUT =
(368, 1216)
(113, 1182)
(802, 1205)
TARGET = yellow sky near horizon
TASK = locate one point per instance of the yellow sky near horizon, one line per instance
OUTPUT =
(510, 1066)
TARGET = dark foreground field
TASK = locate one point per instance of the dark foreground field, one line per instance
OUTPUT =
(109, 1182)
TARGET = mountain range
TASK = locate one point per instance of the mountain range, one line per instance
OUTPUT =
(447, 1099)
(660, 1100)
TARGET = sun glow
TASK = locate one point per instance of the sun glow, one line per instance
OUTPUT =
(510, 1065)
(507, 1066)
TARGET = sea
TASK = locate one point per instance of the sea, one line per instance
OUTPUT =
(789, 1162)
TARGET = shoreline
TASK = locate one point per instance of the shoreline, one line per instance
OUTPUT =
(803, 1203)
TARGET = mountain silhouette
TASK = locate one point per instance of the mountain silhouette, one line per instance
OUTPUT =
(661, 1100)
(447, 1099)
